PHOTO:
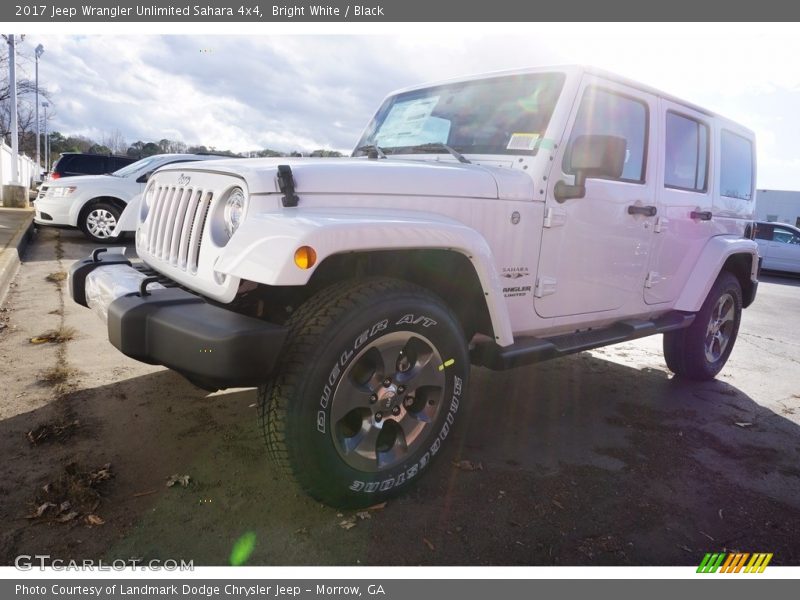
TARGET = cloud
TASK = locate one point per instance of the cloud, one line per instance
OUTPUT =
(244, 92)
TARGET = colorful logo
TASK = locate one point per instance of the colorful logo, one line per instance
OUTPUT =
(734, 562)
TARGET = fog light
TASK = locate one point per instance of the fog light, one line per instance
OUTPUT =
(305, 257)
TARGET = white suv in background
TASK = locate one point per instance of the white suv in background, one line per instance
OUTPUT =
(94, 203)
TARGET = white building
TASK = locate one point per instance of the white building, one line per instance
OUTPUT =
(779, 206)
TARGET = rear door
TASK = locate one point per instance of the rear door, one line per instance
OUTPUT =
(594, 249)
(681, 228)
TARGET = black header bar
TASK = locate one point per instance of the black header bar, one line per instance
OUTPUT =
(394, 11)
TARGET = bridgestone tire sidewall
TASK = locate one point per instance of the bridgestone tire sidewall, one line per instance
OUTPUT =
(320, 461)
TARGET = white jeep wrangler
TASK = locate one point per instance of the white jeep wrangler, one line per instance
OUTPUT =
(492, 221)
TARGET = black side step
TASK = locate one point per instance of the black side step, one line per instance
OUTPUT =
(530, 350)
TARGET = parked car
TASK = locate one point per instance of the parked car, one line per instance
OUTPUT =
(71, 164)
(779, 246)
(94, 203)
(494, 221)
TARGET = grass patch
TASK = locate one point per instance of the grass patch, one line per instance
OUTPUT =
(55, 375)
(55, 336)
(58, 277)
(49, 432)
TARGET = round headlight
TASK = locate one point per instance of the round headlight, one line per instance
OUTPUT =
(234, 210)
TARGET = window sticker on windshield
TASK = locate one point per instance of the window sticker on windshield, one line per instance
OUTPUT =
(522, 141)
(406, 121)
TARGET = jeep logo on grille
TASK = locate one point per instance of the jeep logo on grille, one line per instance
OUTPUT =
(184, 179)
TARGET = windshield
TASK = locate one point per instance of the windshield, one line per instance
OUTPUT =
(135, 167)
(501, 115)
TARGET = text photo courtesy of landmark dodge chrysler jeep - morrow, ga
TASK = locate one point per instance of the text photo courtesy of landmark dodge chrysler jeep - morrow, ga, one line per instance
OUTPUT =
(494, 221)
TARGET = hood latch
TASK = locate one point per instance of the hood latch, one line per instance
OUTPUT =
(286, 185)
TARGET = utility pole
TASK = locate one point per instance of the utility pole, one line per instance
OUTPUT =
(39, 51)
(46, 140)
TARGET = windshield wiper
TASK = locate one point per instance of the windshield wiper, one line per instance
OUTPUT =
(372, 151)
(439, 146)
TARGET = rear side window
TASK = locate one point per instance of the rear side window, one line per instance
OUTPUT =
(686, 156)
(117, 163)
(83, 164)
(763, 231)
(736, 169)
(606, 113)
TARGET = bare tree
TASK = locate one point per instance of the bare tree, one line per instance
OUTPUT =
(26, 94)
(115, 142)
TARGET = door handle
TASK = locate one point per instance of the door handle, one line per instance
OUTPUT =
(647, 211)
(701, 215)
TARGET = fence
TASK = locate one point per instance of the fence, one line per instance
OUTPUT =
(28, 172)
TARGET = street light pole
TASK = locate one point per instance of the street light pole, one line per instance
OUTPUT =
(46, 140)
(39, 51)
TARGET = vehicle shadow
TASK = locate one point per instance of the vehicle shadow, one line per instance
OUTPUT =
(581, 461)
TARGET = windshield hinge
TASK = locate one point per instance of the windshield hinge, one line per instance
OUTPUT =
(554, 217)
(286, 186)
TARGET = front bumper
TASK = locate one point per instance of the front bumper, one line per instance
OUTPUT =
(58, 209)
(211, 346)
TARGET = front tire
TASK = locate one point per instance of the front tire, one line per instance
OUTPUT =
(98, 221)
(367, 391)
(699, 351)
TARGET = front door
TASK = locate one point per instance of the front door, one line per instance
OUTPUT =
(595, 249)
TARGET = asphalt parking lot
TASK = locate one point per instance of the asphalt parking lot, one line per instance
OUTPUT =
(597, 459)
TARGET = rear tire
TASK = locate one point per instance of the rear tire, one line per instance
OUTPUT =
(699, 351)
(367, 390)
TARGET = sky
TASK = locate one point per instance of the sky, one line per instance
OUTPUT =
(287, 92)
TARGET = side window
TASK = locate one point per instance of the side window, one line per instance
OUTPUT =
(90, 165)
(763, 232)
(785, 236)
(607, 113)
(736, 170)
(686, 156)
(117, 163)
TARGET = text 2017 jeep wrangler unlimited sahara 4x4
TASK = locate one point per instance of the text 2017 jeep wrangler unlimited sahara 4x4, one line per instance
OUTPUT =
(494, 221)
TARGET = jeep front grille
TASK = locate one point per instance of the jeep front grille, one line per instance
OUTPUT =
(175, 224)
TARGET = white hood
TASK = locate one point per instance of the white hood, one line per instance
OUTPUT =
(376, 177)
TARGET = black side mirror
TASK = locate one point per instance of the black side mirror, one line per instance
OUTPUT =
(592, 157)
(144, 177)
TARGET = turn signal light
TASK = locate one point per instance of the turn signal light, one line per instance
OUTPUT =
(305, 257)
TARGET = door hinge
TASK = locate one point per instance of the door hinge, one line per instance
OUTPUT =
(661, 224)
(545, 286)
(651, 279)
(554, 217)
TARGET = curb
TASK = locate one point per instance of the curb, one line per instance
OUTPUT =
(10, 255)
